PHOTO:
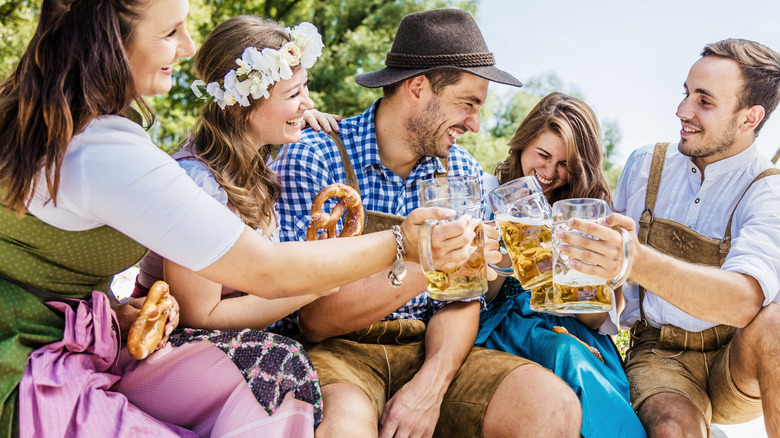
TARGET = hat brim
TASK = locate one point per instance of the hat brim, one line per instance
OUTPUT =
(388, 76)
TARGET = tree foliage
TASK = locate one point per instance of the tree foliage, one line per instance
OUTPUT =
(17, 24)
(357, 36)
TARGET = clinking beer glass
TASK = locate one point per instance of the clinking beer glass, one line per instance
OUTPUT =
(464, 195)
(574, 291)
(524, 219)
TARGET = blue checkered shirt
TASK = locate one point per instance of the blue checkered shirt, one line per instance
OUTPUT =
(314, 163)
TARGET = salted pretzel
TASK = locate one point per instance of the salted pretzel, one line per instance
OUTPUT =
(594, 350)
(148, 327)
(350, 199)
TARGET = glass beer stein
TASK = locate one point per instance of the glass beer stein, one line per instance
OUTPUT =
(574, 291)
(464, 195)
(524, 219)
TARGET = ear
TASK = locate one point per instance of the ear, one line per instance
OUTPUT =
(753, 116)
(414, 88)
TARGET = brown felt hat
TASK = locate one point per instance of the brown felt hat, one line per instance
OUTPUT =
(434, 40)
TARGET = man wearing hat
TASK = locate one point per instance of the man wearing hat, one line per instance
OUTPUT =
(389, 354)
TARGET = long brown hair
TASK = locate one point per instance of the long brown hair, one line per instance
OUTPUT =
(74, 69)
(222, 136)
(572, 120)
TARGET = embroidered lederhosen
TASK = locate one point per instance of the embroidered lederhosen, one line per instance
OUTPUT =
(375, 220)
(679, 241)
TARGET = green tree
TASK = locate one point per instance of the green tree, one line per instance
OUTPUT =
(17, 24)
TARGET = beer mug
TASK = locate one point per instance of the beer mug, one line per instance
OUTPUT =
(464, 195)
(574, 291)
(523, 216)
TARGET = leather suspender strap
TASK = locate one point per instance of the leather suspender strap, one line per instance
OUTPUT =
(348, 169)
(651, 195)
(762, 175)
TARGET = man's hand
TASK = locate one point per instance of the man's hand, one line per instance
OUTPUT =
(412, 412)
(492, 251)
(602, 257)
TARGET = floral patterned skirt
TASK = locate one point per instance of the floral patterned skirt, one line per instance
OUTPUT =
(271, 364)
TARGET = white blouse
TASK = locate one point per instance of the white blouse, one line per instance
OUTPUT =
(112, 174)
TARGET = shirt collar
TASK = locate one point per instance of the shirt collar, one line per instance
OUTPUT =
(368, 148)
(739, 162)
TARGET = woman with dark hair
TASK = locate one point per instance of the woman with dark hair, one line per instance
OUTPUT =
(559, 143)
(85, 192)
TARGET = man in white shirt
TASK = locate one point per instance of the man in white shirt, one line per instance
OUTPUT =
(705, 259)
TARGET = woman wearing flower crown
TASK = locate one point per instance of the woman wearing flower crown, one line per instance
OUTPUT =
(256, 77)
(83, 194)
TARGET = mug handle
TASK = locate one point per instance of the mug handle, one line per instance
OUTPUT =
(424, 246)
(624, 267)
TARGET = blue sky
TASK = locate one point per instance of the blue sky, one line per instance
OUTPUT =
(628, 59)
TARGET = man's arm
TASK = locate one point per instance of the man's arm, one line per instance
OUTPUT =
(449, 337)
(708, 293)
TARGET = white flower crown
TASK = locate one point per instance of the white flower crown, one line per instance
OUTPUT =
(257, 70)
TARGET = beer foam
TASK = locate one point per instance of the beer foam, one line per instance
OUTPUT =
(577, 278)
(505, 217)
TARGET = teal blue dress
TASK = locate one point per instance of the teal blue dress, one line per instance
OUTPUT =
(508, 324)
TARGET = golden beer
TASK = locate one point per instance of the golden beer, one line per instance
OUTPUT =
(543, 298)
(580, 293)
(468, 281)
(528, 241)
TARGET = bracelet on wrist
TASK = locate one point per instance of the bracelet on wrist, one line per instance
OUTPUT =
(398, 270)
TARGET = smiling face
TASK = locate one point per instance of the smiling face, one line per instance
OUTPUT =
(158, 40)
(279, 119)
(545, 158)
(709, 115)
(446, 116)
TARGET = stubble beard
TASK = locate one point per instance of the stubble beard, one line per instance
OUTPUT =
(718, 145)
(424, 131)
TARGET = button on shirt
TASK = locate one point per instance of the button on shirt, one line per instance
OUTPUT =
(706, 206)
(313, 163)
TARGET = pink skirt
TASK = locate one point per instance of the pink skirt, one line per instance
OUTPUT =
(76, 387)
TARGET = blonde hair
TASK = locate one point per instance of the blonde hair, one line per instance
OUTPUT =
(222, 136)
(572, 120)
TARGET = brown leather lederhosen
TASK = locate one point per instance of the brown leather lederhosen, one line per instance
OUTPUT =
(680, 241)
(375, 220)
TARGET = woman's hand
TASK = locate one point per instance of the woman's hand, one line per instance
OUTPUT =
(127, 311)
(450, 241)
(492, 251)
(318, 120)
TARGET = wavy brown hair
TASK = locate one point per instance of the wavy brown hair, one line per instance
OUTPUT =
(572, 120)
(222, 136)
(74, 69)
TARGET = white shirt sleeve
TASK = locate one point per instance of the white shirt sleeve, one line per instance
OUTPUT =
(113, 175)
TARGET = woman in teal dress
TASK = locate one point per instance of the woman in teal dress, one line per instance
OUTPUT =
(559, 143)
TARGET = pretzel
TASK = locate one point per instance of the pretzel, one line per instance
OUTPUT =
(350, 199)
(148, 327)
(594, 350)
